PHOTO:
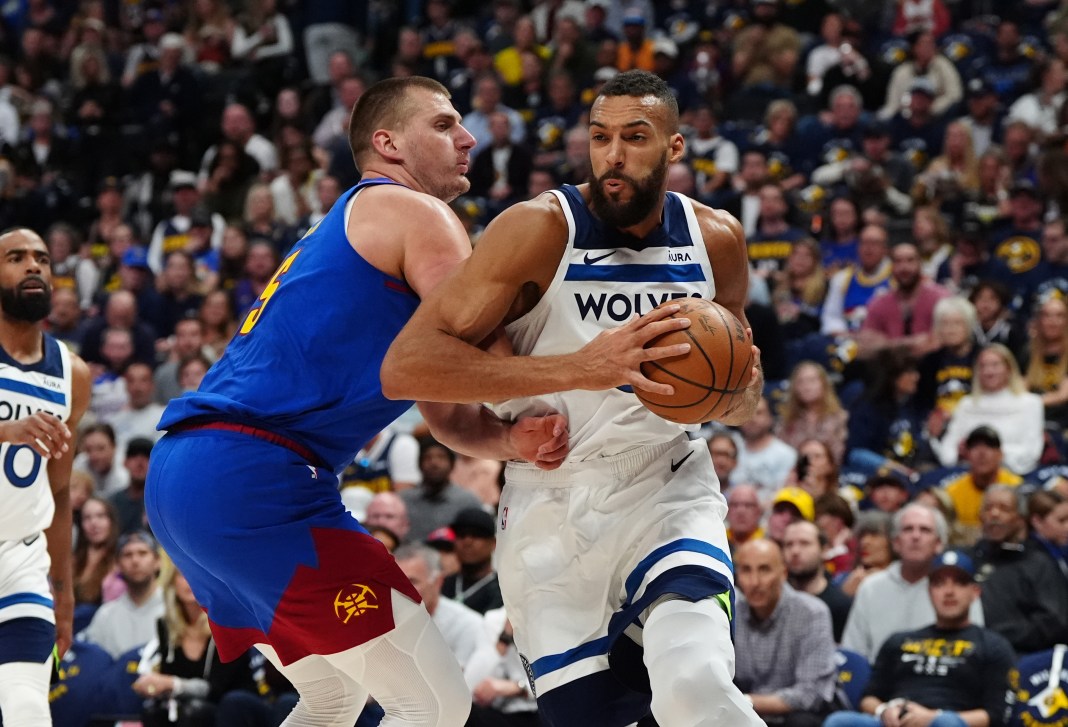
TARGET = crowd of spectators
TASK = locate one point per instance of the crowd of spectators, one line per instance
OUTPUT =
(901, 173)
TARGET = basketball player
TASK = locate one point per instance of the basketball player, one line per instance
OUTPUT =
(44, 390)
(242, 491)
(623, 547)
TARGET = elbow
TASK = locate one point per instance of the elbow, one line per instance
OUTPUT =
(395, 381)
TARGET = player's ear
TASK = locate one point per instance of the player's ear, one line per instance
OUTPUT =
(678, 148)
(385, 144)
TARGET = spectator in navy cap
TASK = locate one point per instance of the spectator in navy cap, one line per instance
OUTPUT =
(966, 666)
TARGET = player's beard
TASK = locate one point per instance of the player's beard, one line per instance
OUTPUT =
(646, 196)
(16, 304)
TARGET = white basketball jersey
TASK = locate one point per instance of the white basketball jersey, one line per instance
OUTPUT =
(605, 278)
(26, 504)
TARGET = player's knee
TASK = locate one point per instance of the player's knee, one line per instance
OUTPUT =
(325, 702)
(682, 678)
(24, 706)
(455, 708)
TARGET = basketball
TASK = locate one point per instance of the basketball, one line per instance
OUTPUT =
(711, 375)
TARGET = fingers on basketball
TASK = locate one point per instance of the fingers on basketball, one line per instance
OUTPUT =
(708, 377)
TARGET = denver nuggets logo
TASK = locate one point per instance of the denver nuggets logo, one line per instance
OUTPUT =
(354, 603)
(1019, 253)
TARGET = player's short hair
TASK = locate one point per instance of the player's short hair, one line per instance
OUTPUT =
(385, 105)
(643, 83)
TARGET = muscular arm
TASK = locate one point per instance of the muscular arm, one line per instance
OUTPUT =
(58, 534)
(423, 260)
(725, 242)
(436, 357)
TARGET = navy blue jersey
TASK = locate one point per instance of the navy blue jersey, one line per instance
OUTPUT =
(305, 361)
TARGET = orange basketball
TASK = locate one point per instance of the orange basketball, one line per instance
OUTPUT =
(711, 375)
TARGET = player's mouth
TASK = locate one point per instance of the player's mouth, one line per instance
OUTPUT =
(614, 186)
(33, 285)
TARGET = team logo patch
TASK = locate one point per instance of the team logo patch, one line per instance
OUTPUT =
(355, 602)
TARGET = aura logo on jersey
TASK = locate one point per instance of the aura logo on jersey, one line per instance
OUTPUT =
(355, 602)
(621, 307)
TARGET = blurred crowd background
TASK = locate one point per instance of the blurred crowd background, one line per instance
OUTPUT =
(901, 173)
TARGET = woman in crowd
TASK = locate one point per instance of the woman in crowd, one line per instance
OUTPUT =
(263, 38)
(951, 177)
(261, 223)
(994, 320)
(931, 235)
(800, 289)
(886, 422)
(999, 399)
(816, 471)
(946, 373)
(217, 315)
(812, 411)
(231, 175)
(875, 551)
(1047, 358)
(842, 232)
(835, 519)
(95, 576)
(182, 677)
(1047, 513)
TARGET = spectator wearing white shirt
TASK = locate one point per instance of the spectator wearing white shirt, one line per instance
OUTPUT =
(999, 399)
(488, 100)
(239, 127)
(1041, 108)
(460, 626)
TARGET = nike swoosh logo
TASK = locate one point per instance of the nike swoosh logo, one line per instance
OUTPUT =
(675, 465)
(591, 260)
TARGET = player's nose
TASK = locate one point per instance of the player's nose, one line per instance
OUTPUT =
(615, 155)
(464, 140)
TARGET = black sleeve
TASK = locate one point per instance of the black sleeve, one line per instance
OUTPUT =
(230, 676)
(999, 660)
(881, 683)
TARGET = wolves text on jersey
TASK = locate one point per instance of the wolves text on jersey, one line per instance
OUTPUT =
(622, 306)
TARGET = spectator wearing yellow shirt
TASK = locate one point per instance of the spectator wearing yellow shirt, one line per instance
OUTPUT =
(509, 62)
(984, 457)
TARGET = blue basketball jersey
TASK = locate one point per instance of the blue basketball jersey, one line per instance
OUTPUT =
(305, 361)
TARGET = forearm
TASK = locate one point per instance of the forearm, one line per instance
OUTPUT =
(448, 369)
(58, 538)
(470, 429)
(770, 704)
(193, 687)
(975, 717)
(869, 704)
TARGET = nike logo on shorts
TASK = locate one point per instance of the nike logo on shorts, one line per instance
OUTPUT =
(591, 260)
(675, 465)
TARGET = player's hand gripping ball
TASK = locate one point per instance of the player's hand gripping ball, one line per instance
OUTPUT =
(711, 375)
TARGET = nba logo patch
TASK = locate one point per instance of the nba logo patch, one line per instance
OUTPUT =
(504, 518)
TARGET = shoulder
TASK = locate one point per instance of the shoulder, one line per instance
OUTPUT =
(717, 225)
(806, 603)
(398, 205)
(874, 587)
(540, 222)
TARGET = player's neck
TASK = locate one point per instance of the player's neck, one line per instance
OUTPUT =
(396, 172)
(21, 340)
